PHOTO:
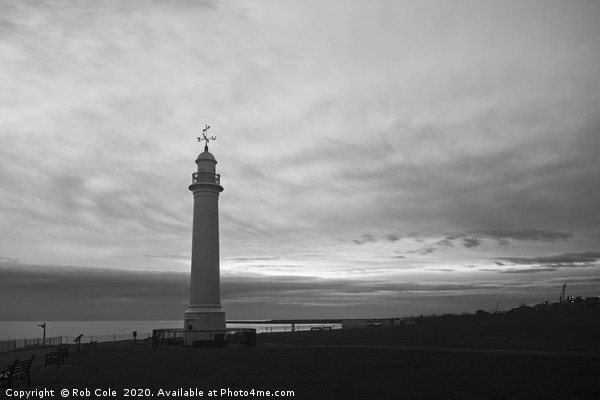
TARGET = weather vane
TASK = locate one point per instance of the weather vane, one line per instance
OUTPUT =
(206, 138)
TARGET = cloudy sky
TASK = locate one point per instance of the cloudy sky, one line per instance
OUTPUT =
(381, 158)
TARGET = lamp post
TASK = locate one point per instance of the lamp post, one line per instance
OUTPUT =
(43, 326)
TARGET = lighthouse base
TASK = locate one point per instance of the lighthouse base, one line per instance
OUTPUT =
(210, 319)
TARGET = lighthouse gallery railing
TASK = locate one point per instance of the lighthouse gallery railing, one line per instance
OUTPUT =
(206, 177)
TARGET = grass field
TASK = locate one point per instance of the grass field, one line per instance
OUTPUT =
(554, 355)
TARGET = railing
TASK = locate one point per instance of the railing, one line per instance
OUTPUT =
(15, 344)
(206, 177)
(7, 345)
(178, 337)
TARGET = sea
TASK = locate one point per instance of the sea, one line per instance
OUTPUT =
(104, 331)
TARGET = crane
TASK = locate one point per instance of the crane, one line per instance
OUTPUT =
(495, 310)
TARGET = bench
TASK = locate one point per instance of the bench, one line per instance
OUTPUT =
(177, 341)
(91, 345)
(17, 370)
(57, 357)
(64, 349)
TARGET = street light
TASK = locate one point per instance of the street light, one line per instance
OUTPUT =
(43, 326)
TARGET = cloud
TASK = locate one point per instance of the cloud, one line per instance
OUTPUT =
(364, 239)
(58, 292)
(368, 238)
(471, 242)
(527, 271)
(441, 269)
(176, 257)
(246, 259)
(10, 259)
(423, 251)
(566, 259)
(71, 293)
(547, 263)
(472, 239)
(371, 239)
(105, 100)
(67, 293)
(532, 235)
(279, 288)
(392, 237)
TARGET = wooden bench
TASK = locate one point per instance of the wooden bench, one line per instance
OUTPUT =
(178, 341)
(65, 350)
(57, 357)
(17, 370)
(91, 345)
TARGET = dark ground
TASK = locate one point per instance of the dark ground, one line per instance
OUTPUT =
(541, 355)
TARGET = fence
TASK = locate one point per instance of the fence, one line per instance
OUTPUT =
(179, 337)
(296, 327)
(15, 344)
(232, 336)
(109, 338)
(7, 345)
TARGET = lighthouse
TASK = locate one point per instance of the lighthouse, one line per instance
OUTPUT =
(205, 312)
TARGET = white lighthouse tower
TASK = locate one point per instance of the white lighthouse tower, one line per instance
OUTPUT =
(205, 312)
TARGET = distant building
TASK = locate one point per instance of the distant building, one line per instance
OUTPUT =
(592, 302)
(521, 308)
